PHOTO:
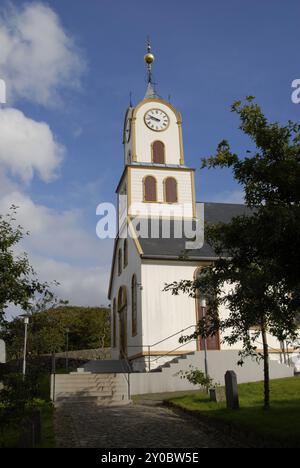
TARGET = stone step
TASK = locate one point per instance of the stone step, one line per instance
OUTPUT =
(63, 388)
(83, 394)
(87, 383)
(94, 401)
(91, 381)
(89, 376)
(107, 366)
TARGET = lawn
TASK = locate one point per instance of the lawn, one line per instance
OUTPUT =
(280, 426)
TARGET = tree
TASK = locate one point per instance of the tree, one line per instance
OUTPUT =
(89, 327)
(19, 284)
(256, 274)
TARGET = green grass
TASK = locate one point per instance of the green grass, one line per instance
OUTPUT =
(279, 426)
(48, 438)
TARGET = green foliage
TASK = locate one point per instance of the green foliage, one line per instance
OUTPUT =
(256, 274)
(89, 327)
(196, 377)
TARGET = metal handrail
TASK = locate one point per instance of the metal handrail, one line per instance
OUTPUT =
(126, 372)
(172, 336)
(169, 352)
(159, 342)
(278, 351)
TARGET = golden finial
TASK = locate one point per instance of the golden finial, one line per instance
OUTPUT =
(149, 59)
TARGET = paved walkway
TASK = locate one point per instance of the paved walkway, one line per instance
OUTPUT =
(134, 426)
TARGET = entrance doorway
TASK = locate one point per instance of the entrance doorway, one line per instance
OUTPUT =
(212, 342)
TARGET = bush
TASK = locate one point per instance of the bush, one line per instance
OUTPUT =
(196, 377)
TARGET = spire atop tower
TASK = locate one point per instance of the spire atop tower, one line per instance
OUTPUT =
(149, 59)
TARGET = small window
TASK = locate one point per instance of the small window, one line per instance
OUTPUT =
(119, 262)
(134, 305)
(125, 254)
(150, 192)
(158, 152)
(171, 195)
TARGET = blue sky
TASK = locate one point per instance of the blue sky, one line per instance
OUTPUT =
(208, 53)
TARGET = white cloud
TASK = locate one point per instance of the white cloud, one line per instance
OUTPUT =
(27, 146)
(56, 234)
(86, 286)
(60, 248)
(37, 56)
(37, 60)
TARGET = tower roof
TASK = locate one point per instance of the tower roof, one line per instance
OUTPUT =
(151, 92)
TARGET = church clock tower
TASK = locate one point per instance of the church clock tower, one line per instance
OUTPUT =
(155, 181)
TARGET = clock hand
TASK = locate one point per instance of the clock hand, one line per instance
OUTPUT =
(154, 118)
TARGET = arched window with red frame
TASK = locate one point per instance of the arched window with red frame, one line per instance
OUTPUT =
(170, 189)
(150, 189)
(158, 152)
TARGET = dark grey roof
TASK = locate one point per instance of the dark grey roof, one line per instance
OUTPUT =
(151, 92)
(175, 248)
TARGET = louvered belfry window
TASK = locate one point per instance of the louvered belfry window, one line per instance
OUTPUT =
(150, 194)
(158, 152)
(171, 190)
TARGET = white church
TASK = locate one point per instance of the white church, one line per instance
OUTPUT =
(157, 243)
(157, 189)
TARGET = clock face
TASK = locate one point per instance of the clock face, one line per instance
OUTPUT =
(157, 120)
(127, 130)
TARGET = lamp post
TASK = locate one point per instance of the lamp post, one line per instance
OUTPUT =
(67, 348)
(203, 309)
(26, 322)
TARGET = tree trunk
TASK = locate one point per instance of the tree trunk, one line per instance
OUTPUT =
(266, 367)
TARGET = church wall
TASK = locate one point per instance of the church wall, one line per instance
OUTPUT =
(165, 314)
(144, 137)
(133, 267)
(274, 344)
(169, 380)
(184, 187)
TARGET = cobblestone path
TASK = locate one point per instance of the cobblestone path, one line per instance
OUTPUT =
(134, 426)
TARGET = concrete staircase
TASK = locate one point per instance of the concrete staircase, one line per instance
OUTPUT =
(86, 387)
(106, 367)
(178, 360)
(168, 376)
(219, 362)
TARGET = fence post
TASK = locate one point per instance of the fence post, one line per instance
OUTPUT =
(53, 377)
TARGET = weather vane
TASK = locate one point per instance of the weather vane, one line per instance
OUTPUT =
(149, 59)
